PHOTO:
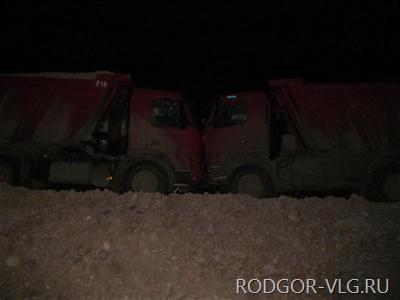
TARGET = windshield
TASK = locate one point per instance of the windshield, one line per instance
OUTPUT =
(168, 113)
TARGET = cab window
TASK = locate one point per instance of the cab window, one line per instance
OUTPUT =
(168, 113)
(230, 114)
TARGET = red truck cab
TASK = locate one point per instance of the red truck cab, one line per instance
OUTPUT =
(162, 126)
(96, 129)
(306, 137)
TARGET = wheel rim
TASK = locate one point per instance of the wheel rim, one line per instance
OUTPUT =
(250, 184)
(144, 181)
(391, 187)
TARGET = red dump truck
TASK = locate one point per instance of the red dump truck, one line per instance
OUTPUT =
(307, 137)
(96, 129)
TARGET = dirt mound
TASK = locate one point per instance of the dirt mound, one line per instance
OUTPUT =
(100, 245)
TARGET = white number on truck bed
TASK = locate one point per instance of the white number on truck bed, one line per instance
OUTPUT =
(102, 84)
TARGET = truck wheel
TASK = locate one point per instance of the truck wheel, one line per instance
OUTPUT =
(386, 186)
(253, 182)
(6, 173)
(146, 179)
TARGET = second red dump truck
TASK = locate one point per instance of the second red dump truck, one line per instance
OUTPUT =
(307, 137)
(96, 129)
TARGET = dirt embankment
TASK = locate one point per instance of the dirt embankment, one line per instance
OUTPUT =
(100, 245)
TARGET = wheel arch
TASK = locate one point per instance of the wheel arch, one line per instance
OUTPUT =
(158, 161)
(376, 172)
(245, 160)
(17, 164)
(383, 163)
(266, 188)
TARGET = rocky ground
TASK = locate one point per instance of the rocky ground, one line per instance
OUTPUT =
(100, 245)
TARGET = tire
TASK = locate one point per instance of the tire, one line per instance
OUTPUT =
(6, 173)
(147, 179)
(385, 186)
(251, 181)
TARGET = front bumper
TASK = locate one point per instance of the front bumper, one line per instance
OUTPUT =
(183, 181)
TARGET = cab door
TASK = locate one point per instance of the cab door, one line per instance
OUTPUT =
(237, 123)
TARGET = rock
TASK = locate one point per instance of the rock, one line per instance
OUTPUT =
(217, 258)
(107, 245)
(269, 269)
(12, 261)
(201, 259)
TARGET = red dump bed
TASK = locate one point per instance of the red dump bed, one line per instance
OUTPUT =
(54, 108)
(358, 116)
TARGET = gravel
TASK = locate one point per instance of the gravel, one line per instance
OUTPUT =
(101, 245)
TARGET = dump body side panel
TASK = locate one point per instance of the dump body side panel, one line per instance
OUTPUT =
(352, 116)
(49, 121)
(53, 110)
(340, 130)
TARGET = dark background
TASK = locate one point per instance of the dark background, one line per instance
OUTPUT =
(202, 49)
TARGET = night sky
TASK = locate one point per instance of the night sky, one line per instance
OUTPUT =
(201, 48)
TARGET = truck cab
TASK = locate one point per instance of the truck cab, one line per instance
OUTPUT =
(236, 144)
(162, 131)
